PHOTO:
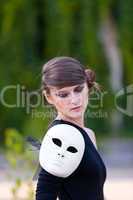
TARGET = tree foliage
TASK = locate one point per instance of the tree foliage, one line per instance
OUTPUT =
(34, 31)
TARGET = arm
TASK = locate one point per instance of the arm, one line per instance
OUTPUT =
(48, 186)
(92, 136)
(94, 139)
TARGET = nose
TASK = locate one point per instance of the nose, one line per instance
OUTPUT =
(75, 99)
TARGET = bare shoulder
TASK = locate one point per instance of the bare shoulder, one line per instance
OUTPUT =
(92, 136)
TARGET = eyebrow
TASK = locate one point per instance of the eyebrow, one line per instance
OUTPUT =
(63, 90)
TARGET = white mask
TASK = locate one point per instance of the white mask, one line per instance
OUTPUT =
(61, 150)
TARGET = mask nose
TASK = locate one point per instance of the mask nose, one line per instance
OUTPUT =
(61, 155)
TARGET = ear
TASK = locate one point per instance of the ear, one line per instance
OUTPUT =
(48, 97)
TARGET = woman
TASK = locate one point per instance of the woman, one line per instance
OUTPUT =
(71, 167)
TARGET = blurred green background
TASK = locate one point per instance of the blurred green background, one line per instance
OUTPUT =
(98, 33)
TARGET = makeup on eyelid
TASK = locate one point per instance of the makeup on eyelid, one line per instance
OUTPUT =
(64, 94)
(70, 102)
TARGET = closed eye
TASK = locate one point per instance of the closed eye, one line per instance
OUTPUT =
(79, 88)
(72, 149)
(57, 141)
(62, 95)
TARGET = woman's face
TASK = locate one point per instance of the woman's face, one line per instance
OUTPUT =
(69, 101)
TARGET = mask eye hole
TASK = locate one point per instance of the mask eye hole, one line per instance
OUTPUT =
(72, 149)
(57, 141)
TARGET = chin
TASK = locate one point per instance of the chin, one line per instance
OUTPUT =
(75, 115)
(72, 115)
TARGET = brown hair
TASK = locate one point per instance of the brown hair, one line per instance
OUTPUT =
(65, 71)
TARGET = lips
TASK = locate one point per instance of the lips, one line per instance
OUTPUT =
(76, 108)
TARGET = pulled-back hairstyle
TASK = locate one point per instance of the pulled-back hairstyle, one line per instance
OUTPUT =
(65, 71)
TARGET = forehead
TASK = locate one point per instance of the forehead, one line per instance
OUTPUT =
(67, 88)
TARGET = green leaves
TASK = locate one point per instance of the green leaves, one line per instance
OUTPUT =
(14, 141)
(33, 31)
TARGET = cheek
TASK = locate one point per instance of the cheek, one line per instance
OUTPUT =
(61, 105)
(85, 94)
(85, 98)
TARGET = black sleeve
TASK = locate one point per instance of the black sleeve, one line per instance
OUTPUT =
(48, 186)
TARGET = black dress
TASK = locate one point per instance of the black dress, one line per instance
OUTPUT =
(85, 183)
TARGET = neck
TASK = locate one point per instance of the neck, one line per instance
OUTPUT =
(79, 121)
